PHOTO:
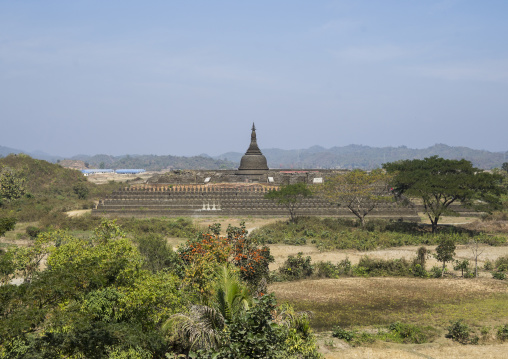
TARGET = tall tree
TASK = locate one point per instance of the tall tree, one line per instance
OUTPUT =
(359, 191)
(440, 182)
(290, 196)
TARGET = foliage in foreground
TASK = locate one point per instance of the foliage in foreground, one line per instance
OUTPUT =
(95, 299)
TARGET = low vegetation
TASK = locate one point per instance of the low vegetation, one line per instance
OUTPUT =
(334, 234)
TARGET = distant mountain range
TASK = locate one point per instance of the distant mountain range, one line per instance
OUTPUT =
(349, 157)
(365, 157)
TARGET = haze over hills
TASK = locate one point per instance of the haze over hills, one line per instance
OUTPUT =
(351, 156)
(365, 157)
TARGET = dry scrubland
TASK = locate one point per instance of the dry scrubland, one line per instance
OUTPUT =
(373, 303)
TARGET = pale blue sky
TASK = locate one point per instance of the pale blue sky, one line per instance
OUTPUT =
(187, 77)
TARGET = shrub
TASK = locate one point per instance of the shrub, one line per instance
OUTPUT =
(345, 266)
(502, 332)
(488, 265)
(331, 234)
(418, 271)
(7, 224)
(408, 333)
(499, 275)
(381, 267)
(32, 231)
(327, 270)
(459, 331)
(501, 263)
(436, 272)
(341, 333)
(297, 267)
(81, 190)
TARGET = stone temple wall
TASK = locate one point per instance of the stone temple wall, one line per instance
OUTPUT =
(279, 177)
(225, 199)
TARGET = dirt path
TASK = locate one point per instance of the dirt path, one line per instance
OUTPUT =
(78, 212)
(404, 351)
(251, 223)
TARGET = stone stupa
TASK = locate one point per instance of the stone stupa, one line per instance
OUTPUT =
(253, 164)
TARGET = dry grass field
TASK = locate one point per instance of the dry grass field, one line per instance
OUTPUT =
(381, 301)
(370, 303)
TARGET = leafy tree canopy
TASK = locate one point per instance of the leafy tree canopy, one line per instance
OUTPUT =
(440, 182)
(290, 196)
(358, 190)
(12, 185)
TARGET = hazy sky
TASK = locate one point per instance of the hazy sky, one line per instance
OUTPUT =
(190, 77)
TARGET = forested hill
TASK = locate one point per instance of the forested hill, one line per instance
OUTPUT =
(365, 157)
(352, 156)
(155, 163)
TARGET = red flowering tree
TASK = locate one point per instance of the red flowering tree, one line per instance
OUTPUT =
(237, 248)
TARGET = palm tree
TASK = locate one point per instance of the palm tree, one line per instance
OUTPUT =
(202, 327)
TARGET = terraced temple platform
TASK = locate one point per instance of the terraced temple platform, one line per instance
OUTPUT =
(223, 199)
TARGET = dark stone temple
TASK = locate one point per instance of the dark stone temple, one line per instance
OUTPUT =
(192, 193)
(253, 164)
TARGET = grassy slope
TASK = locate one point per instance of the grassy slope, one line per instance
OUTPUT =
(51, 189)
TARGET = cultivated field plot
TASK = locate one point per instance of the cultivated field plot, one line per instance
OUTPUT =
(380, 301)
(375, 302)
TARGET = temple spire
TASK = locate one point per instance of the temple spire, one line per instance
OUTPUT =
(253, 148)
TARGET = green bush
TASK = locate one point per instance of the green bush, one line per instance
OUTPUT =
(327, 270)
(499, 275)
(501, 264)
(7, 224)
(33, 231)
(459, 331)
(418, 271)
(502, 332)
(297, 267)
(341, 333)
(408, 333)
(388, 267)
(488, 265)
(436, 272)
